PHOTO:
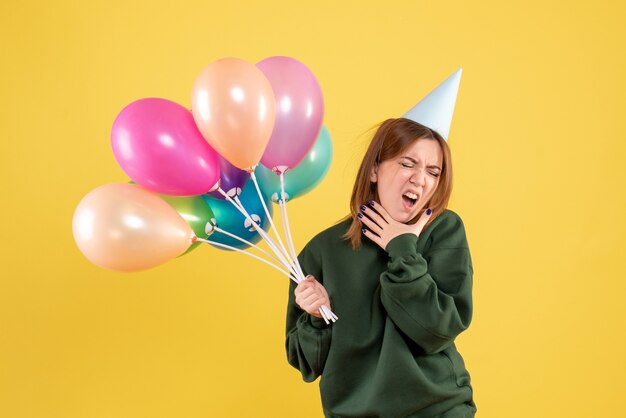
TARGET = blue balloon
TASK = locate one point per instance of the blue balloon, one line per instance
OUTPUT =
(231, 220)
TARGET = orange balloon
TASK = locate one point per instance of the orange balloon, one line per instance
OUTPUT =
(123, 227)
(234, 108)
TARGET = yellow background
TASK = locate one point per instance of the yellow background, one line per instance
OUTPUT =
(538, 141)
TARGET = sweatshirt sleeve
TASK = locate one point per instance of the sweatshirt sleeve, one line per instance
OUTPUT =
(308, 337)
(430, 301)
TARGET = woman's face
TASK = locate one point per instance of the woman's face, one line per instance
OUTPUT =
(405, 183)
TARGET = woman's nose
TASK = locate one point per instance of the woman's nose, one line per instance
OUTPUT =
(418, 178)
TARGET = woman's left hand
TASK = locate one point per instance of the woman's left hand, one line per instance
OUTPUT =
(382, 228)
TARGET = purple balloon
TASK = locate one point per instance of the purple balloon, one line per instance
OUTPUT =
(231, 177)
(299, 111)
(157, 144)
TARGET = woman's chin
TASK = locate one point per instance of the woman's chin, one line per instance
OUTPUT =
(402, 217)
(408, 218)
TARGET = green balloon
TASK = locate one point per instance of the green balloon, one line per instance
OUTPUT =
(305, 176)
(195, 212)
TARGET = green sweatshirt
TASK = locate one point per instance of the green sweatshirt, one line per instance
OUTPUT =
(391, 353)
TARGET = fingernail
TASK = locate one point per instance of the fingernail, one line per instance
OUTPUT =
(364, 230)
(371, 203)
(428, 211)
(360, 215)
(363, 207)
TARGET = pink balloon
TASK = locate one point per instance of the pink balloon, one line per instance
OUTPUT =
(158, 145)
(299, 111)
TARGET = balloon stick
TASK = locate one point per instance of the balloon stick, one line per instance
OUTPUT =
(296, 273)
(222, 231)
(228, 247)
(258, 189)
(285, 222)
(324, 310)
(271, 243)
(261, 232)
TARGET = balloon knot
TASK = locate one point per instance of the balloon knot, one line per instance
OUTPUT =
(280, 169)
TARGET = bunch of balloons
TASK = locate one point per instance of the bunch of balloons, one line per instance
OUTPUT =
(254, 135)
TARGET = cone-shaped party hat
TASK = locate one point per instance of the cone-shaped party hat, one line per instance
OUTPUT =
(435, 110)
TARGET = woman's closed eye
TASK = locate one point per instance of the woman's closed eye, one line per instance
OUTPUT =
(409, 165)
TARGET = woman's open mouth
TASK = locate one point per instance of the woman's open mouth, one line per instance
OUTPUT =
(409, 199)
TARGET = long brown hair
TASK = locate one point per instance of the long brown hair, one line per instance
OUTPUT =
(392, 137)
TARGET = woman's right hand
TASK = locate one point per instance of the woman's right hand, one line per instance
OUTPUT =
(311, 295)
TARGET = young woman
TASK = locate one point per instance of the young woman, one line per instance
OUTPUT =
(398, 273)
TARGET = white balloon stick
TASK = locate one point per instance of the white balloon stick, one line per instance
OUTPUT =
(270, 242)
(329, 313)
(220, 230)
(228, 247)
(261, 232)
(326, 313)
(295, 270)
(285, 221)
(258, 189)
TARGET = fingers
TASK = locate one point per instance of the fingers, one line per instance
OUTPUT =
(381, 228)
(310, 295)
(378, 240)
(312, 305)
(308, 281)
(421, 222)
(303, 293)
(373, 226)
(314, 301)
(373, 215)
(375, 221)
(381, 210)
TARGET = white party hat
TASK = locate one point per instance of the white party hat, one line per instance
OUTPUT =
(435, 110)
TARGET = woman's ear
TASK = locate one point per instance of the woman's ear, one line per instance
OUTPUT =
(374, 175)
